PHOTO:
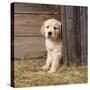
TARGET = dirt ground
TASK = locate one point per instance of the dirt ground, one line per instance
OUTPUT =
(29, 75)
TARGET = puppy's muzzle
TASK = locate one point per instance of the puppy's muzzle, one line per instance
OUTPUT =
(49, 34)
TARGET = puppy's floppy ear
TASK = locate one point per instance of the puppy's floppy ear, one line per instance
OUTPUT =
(42, 29)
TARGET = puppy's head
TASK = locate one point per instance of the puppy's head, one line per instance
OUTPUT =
(52, 29)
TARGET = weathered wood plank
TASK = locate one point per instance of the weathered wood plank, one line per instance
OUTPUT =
(70, 35)
(84, 35)
(29, 24)
(36, 8)
(28, 47)
(77, 33)
(64, 34)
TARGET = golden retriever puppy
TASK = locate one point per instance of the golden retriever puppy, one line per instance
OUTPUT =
(52, 31)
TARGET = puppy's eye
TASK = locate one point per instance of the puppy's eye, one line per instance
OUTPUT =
(47, 26)
(55, 28)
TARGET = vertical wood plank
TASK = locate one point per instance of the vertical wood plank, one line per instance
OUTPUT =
(64, 34)
(83, 19)
(77, 34)
(70, 27)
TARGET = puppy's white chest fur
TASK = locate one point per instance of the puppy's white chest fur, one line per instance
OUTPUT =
(54, 46)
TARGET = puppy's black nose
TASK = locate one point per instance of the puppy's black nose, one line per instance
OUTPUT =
(49, 33)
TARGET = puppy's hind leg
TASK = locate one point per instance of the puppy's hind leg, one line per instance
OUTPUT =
(48, 61)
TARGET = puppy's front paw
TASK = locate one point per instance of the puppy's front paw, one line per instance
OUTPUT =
(51, 71)
(45, 67)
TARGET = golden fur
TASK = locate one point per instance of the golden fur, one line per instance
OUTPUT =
(52, 30)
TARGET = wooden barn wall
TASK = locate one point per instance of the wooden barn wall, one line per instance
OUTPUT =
(27, 20)
(74, 21)
(28, 42)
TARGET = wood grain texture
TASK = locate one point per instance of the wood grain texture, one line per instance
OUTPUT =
(36, 8)
(77, 33)
(70, 26)
(29, 24)
(84, 35)
(64, 34)
(29, 47)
